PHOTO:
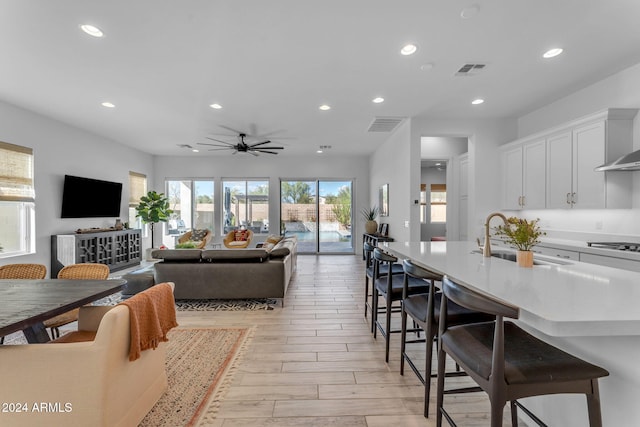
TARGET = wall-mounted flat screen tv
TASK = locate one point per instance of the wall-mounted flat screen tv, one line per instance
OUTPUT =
(90, 198)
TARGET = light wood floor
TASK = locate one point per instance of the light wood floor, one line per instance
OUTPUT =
(315, 362)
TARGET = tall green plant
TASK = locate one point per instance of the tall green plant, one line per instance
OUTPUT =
(153, 208)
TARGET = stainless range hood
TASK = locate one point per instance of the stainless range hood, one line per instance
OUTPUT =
(628, 162)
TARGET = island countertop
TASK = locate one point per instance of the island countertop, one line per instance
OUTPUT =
(559, 298)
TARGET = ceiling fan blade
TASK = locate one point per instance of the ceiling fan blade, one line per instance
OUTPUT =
(269, 148)
(218, 140)
(215, 145)
(262, 150)
(220, 149)
(259, 143)
(237, 132)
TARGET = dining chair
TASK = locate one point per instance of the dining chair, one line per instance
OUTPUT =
(84, 271)
(22, 271)
(507, 362)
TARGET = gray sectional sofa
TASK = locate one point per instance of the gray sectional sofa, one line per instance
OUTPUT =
(227, 273)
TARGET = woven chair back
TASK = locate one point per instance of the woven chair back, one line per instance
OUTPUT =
(84, 271)
(23, 271)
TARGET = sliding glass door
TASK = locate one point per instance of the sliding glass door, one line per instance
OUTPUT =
(319, 213)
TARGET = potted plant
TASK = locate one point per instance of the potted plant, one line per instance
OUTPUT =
(370, 215)
(153, 208)
(521, 235)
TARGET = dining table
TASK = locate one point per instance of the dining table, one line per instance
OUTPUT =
(26, 304)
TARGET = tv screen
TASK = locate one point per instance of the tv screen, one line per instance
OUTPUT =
(90, 198)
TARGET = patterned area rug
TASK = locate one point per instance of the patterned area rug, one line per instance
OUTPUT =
(200, 367)
(208, 304)
(225, 305)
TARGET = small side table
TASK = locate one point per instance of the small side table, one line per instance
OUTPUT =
(374, 238)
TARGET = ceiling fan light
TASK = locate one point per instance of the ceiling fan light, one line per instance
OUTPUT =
(551, 53)
(409, 49)
(92, 30)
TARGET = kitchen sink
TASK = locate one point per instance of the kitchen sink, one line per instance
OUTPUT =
(511, 256)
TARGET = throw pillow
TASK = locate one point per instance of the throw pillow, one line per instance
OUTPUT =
(198, 235)
(241, 235)
(273, 239)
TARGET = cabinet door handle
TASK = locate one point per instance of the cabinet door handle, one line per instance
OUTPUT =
(568, 201)
(573, 198)
(523, 199)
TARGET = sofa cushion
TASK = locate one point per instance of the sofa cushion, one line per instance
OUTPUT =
(177, 255)
(239, 255)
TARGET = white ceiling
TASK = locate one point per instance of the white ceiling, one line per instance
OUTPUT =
(270, 64)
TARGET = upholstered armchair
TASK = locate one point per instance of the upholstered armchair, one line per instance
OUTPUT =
(238, 239)
(94, 382)
(199, 237)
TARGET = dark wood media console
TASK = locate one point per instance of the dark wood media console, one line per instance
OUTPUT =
(116, 249)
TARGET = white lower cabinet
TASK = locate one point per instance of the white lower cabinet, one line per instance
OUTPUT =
(608, 261)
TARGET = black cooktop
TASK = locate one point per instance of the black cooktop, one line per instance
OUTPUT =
(620, 246)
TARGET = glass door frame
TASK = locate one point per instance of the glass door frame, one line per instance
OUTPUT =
(317, 240)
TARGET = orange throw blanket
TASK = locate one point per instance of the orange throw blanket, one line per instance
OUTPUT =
(152, 314)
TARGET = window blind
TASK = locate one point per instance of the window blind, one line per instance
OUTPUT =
(137, 187)
(16, 173)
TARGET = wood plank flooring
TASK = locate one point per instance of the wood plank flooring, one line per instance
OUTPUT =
(314, 362)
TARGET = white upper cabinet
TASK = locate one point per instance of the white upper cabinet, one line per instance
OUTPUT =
(555, 168)
(523, 175)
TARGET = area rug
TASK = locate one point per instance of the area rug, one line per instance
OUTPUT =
(208, 304)
(225, 304)
(200, 366)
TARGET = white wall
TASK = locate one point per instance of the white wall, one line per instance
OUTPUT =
(274, 168)
(391, 164)
(61, 149)
(621, 90)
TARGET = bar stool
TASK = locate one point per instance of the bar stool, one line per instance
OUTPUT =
(508, 363)
(391, 288)
(424, 310)
(368, 272)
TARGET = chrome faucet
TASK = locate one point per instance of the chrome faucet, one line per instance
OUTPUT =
(486, 248)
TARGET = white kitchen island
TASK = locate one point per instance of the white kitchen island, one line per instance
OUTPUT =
(588, 310)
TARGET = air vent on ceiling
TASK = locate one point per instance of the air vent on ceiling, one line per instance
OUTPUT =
(470, 69)
(385, 124)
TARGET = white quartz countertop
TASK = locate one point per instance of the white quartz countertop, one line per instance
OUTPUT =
(569, 299)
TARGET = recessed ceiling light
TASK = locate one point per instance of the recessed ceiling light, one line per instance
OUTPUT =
(92, 30)
(195, 150)
(108, 105)
(377, 100)
(477, 101)
(409, 49)
(469, 12)
(324, 107)
(552, 52)
(215, 106)
(319, 151)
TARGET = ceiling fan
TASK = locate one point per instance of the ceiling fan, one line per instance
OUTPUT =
(242, 147)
